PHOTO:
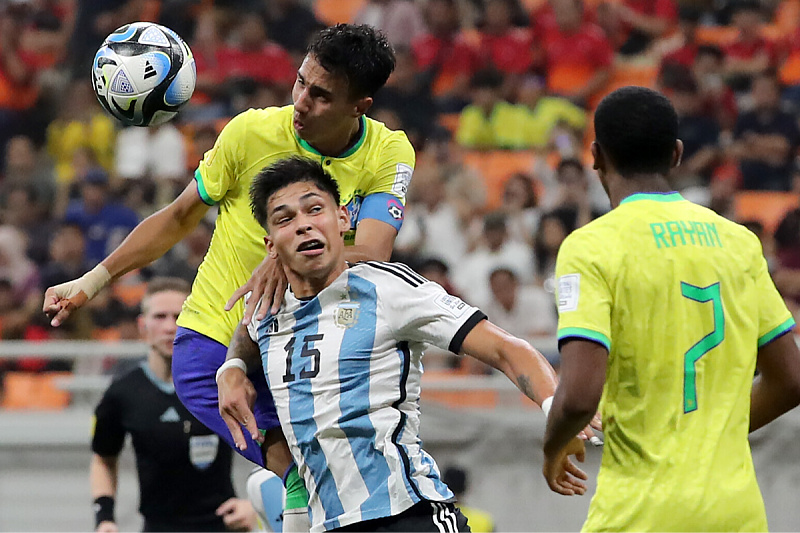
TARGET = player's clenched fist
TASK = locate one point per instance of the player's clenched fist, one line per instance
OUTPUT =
(60, 301)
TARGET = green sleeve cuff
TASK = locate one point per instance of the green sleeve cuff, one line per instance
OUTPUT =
(201, 189)
(776, 332)
(296, 493)
(584, 333)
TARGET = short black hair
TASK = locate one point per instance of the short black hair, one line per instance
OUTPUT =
(361, 54)
(637, 128)
(567, 162)
(282, 173)
(486, 78)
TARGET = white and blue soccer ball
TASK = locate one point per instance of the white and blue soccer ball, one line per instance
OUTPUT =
(143, 74)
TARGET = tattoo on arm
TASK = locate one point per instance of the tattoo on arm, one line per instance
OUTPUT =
(524, 384)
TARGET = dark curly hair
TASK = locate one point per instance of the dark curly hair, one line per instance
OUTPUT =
(361, 54)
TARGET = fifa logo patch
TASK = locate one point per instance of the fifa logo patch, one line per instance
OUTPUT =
(346, 314)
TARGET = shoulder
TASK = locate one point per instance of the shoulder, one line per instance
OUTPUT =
(256, 117)
(127, 383)
(388, 275)
(378, 134)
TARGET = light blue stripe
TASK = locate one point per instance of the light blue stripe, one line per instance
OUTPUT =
(301, 413)
(355, 355)
(438, 484)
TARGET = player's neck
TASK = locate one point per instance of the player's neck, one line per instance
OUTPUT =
(334, 147)
(160, 366)
(309, 285)
(620, 188)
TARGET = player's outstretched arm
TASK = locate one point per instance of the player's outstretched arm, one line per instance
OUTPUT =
(147, 242)
(524, 365)
(236, 392)
(776, 389)
(103, 486)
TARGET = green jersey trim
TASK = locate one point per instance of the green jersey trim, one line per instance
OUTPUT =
(584, 333)
(350, 151)
(201, 189)
(654, 196)
(776, 332)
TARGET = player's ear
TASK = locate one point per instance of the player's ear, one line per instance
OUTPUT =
(362, 106)
(270, 246)
(344, 219)
(597, 156)
(677, 155)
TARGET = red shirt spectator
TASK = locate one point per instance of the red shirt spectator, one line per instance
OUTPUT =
(503, 46)
(750, 54)
(257, 58)
(641, 21)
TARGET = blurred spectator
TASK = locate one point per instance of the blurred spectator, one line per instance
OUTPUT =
(503, 46)
(444, 55)
(254, 57)
(81, 124)
(184, 258)
(23, 211)
(471, 275)
(479, 521)
(291, 25)
(750, 54)
(718, 100)
(543, 21)
(156, 155)
(573, 193)
(25, 167)
(577, 54)
(786, 271)
(553, 229)
(67, 256)
(20, 278)
(520, 206)
(682, 48)
(104, 221)
(524, 311)
(640, 22)
(400, 20)
(549, 117)
(699, 132)
(408, 98)
(766, 139)
(436, 270)
(489, 121)
(432, 226)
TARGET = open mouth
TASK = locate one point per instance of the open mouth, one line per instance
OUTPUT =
(312, 245)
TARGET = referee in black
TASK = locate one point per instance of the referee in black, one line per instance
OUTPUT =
(184, 470)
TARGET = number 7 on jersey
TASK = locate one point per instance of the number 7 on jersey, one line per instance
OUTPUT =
(704, 345)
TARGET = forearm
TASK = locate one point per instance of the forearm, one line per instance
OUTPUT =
(148, 241)
(528, 370)
(365, 252)
(768, 401)
(563, 425)
(243, 347)
(103, 476)
(597, 82)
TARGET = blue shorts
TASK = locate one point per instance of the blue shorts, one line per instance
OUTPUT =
(195, 360)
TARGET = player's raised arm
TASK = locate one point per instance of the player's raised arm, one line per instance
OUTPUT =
(147, 242)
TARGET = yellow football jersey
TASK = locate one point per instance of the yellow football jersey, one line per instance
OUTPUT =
(682, 299)
(378, 166)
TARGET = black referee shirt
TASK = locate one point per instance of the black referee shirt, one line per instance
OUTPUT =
(184, 469)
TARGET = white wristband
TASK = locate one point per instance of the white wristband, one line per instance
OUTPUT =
(238, 363)
(546, 404)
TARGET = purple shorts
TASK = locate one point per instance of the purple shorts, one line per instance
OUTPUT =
(195, 360)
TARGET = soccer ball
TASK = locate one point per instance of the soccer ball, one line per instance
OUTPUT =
(143, 74)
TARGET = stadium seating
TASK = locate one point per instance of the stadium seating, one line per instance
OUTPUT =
(23, 390)
(765, 206)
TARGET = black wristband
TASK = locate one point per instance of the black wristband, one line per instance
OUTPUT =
(103, 510)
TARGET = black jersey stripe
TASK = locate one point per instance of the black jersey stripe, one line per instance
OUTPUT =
(410, 271)
(385, 268)
(403, 347)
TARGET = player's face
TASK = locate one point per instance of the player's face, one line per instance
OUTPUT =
(306, 230)
(324, 112)
(157, 324)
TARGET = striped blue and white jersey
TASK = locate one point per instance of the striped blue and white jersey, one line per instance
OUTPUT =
(344, 370)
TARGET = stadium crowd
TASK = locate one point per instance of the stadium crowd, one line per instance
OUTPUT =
(495, 95)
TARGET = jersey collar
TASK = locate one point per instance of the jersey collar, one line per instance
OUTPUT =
(362, 134)
(672, 196)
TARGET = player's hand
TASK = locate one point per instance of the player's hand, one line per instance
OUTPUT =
(588, 432)
(236, 399)
(107, 526)
(561, 473)
(268, 282)
(237, 514)
(60, 301)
